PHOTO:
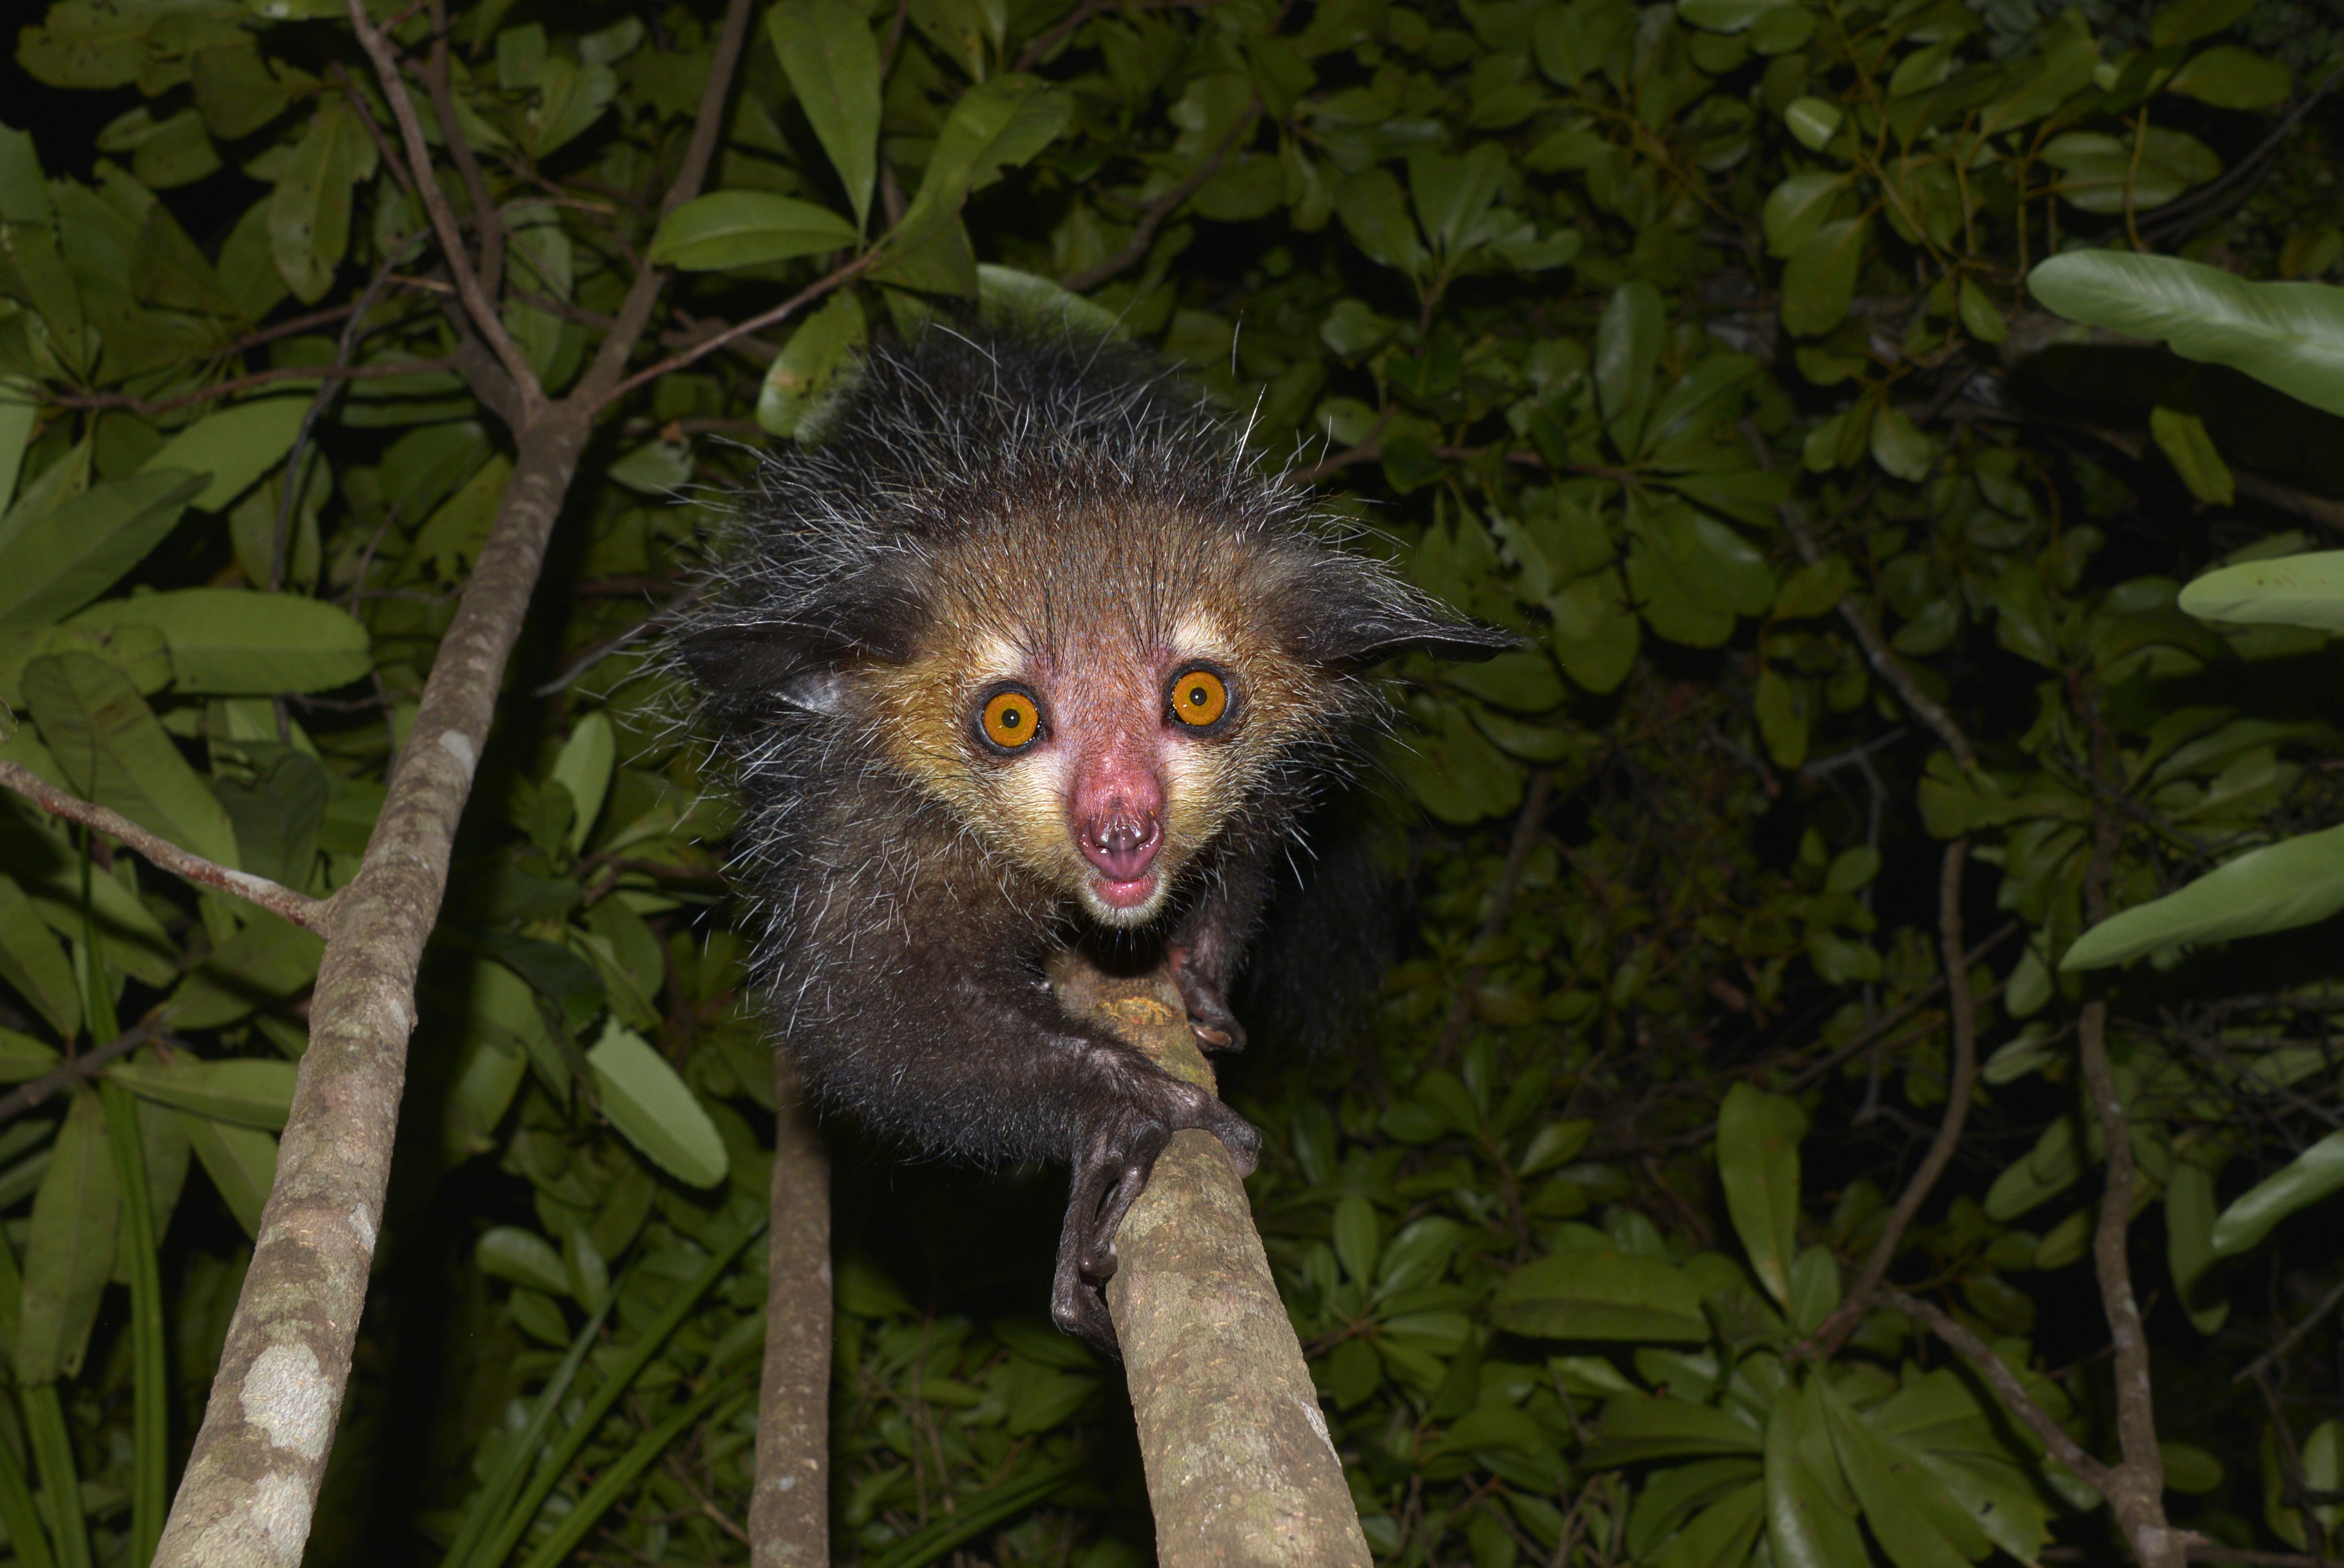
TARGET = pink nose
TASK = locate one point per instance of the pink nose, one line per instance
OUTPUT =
(1121, 845)
(1116, 812)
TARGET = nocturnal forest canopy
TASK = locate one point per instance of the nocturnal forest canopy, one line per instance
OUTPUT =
(1844, 1070)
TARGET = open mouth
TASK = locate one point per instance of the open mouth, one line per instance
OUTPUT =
(1124, 895)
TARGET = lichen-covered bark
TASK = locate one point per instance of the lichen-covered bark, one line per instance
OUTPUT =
(1240, 1468)
(251, 1483)
(789, 1509)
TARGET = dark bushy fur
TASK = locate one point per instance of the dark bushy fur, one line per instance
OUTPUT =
(899, 946)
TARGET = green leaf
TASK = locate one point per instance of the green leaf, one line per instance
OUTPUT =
(54, 563)
(267, 962)
(994, 127)
(826, 51)
(1596, 1294)
(2304, 1181)
(1758, 1164)
(1627, 351)
(1915, 1519)
(69, 1252)
(524, 1257)
(2229, 77)
(1900, 449)
(2290, 336)
(235, 642)
(1782, 718)
(113, 751)
(813, 362)
(1799, 207)
(2189, 1242)
(1805, 1525)
(1370, 205)
(2064, 68)
(2289, 590)
(1814, 121)
(18, 405)
(648, 1102)
(245, 1091)
(1523, 679)
(583, 767)
(1636, 1427)
(746, 228)
(1819, 280)
(2187, 21)
(309, 215)
(34, 965)
(2293, 882)
(1356, 1237)
(2184, 440)
(241, 1162)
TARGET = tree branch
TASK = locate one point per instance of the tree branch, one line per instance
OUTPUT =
(601, 383)
(311, 914)
(1207, 1347)
(484, 317)
(2005, 1383)
(782, 312)
(789, 1498)
(1963, 1010)
(1164, 206)
(87, 1065)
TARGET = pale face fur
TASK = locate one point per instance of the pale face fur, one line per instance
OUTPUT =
(1094, 616)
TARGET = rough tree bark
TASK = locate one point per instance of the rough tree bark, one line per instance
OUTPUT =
(251, 1484)
(788, 1506)
(1241, 1470)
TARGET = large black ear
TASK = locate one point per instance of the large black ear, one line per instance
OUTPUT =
(1352, 633)
(752, 656)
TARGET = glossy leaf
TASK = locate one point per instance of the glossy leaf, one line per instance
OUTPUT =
(2291, 590)
(107, 739)
(1758, 1163)
(2293, 882)
(53, 564)
(69, 1252)
(242, 1091)
(746, 228)
(1596, 1294)
(235, 642)
(651, 1105)
(827, 50)
(2304, 1181)
(2290, 336)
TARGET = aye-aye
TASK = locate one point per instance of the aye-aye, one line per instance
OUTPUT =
(1021, 652)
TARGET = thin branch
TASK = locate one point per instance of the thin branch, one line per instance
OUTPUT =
(1963, 1009)
(758, 323)
(144, 409)
(353, 332)
(2135, 1427)
(597, 386)
(1164, 206)
(312, 914)
(2310, 1320)
(436, 82)
(2004, 1382)
(87, 1064)
(613, 643)
(484, 317)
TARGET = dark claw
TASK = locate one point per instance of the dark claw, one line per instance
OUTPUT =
(1216, 1027)
(1118, 1153)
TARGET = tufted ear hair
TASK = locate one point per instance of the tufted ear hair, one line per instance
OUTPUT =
(1367, 621)
(748, 657)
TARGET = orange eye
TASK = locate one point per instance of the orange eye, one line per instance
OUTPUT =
(1198, 699)
(1010, 720)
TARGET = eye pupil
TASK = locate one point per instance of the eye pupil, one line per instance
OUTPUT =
(1199, 699)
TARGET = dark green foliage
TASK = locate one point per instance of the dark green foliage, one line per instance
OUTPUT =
(1688, 341)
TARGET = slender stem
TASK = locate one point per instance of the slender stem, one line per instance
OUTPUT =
(789, 1504)
(1164, 206)
(782, 312)
(483, 314)
(277, 899)
(74, 1070)
(1963, 1009)
(150, 1393)
(2004, 1382)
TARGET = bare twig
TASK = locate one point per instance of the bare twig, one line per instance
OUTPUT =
(146, 408)
(438, 84)
(312, 914)
(1964, 1083)
(353, 332)
(613, 643)
(2004, 1382)
(789, 1504)
(2311, 1320)
(484, 317)
(1162, 206)
(87, 1065)
(782, 312)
